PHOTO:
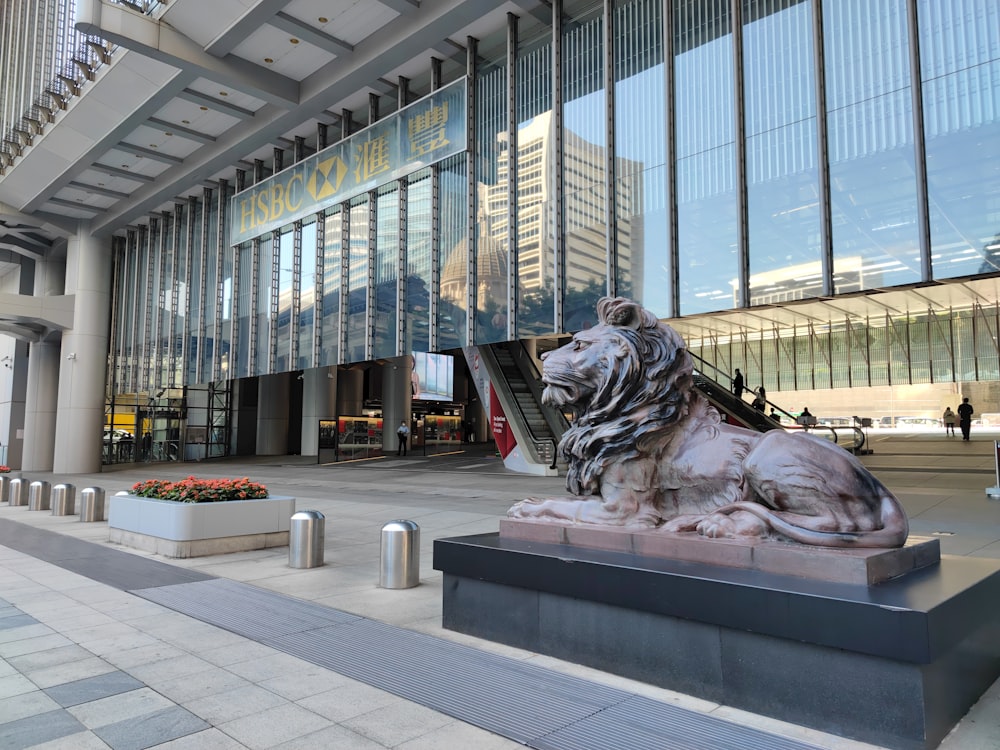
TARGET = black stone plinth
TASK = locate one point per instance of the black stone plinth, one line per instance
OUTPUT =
(897, 664)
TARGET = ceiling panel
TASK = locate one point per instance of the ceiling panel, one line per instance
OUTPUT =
(358, 22)
(204, 21)
(192, 116)
(124, 159)
(293, 59)
(150, 136)
(110, 182)
(226, 94)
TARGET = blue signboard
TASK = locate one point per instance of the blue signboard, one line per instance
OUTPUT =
(422, 133)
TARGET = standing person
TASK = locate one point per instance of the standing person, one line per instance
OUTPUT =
(760, 400)
(738, 383)
(403, 433)
(965, 413)
(949, 421)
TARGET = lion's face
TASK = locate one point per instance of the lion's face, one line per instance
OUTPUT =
(573, 374)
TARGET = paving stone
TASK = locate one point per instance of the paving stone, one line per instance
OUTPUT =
(16, 621)
(93, 688)
(145, 731)
(34, 730)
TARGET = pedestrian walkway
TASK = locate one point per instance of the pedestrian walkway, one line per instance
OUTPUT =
(105, 647)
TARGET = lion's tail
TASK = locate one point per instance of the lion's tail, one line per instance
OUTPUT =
(895, 527)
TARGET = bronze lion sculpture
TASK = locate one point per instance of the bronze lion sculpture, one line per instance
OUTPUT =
(647, 450)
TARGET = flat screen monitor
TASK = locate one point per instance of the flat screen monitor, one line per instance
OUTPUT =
(433, 377)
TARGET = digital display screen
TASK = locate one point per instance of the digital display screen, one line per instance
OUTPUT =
(433, 377)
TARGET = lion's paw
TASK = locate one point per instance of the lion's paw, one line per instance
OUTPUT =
(731, 525)
(717, 526)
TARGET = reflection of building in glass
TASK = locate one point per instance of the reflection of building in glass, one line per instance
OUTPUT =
(805, 280)
(584, 167)
(491, 264)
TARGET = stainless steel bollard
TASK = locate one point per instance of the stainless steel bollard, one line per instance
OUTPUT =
(306, 539)
(39, 495)
(400, 560)
(63, 500)
(4, 488)
(18, 492)
(92, 504)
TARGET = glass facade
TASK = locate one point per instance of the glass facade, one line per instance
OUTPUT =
(721, 156)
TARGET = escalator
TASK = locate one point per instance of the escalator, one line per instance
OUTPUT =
(518, 386)
(715, 385)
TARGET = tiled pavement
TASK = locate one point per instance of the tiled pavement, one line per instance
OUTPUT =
(87, 665)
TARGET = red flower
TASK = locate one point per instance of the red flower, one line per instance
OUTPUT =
(193, 490)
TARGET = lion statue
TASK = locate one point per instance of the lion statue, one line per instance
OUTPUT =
(646, 450)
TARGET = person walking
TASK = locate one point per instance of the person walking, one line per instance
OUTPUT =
(949, 418)
(965, 413)
(403, 433)
(738, 383)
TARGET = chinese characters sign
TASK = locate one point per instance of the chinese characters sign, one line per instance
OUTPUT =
(422, 133)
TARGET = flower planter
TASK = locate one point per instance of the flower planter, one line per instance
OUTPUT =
(174, 529)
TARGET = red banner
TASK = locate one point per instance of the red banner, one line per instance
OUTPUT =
(501, 430)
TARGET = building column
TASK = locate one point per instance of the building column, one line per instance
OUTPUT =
(83, 363)
(272, 414)
(397, 399)
(350, 393)
(319, 395)
(42, 391)
(40, 408)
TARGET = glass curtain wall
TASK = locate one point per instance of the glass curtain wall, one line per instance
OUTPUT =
(419, 200)
(357, 281)
(708, 254)
(307, 300)
(640, 149)
(268, 249)
(960, 80)
(939, 346)
(533, 180)
(585, 157)
(386, 270)
(491, 248)
(333, 266)
(283, 323)
(873, 184)
(783, 211)
(454, 250)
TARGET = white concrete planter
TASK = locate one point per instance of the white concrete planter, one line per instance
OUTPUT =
(177, 529)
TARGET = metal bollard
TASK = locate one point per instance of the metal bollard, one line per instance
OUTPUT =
(306, 539)
(18, 492)
(400, 561)
(4, 488)
(39, 495)
(63, 500)
(92, 504)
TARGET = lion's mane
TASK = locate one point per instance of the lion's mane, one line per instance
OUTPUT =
(639, 398)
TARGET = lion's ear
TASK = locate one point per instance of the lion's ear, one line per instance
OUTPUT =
(621, 312)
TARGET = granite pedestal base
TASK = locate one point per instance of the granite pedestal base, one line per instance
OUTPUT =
(896, 664)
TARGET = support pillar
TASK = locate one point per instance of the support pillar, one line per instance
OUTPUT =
(42, 392)
(80, 414)
(40, 408)
(319, 397)
(350, 392)
(397, 399)
(272, 414)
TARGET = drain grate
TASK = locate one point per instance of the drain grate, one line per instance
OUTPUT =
(532, 705)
